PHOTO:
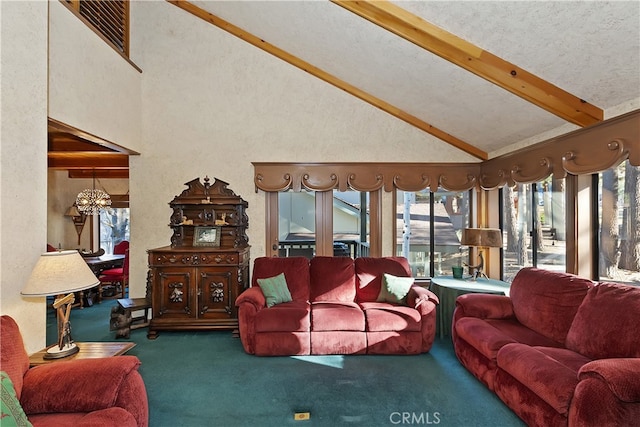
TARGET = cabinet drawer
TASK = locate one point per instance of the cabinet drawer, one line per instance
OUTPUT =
(220, 259)
(193, 259)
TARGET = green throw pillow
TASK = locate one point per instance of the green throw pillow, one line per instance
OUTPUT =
(394, 289)
(11, 414)
(275, 289)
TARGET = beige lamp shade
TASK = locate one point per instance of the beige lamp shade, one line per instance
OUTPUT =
(58, 273)
(482, 237)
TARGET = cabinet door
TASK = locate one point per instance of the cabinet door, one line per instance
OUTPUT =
(214, 292)
(173, 293)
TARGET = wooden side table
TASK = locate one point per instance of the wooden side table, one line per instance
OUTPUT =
(88, 350)
(447, 289)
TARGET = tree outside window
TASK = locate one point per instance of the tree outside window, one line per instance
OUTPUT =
(114, 228)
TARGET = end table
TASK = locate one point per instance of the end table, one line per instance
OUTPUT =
(88, 350)
(447, 289)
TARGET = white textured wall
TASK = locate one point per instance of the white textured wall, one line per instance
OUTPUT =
(91, 87)
(212, 104)
(23, 161)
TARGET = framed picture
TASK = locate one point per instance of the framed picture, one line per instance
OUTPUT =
(206, 236)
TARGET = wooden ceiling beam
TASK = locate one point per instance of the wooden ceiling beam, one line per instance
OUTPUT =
(323, 75)
(87, 160)
(476, 60)
(99, 173)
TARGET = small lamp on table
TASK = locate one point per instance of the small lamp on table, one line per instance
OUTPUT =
(480, 238)
(60, 274)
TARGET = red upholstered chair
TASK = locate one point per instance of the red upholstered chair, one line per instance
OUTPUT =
(116, 276)
(121, 248)
(87, 392)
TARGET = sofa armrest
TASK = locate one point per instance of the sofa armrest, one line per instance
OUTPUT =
(418, 295)
(425, 302)
(621, 376)
(86, 385)
(484, 306)
(253, 296)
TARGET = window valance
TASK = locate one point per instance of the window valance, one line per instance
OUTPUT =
(584, 151)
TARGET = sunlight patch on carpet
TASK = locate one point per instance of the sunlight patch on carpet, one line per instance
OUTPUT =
(333, 361)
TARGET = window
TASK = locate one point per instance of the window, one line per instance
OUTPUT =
(114, 228)
(350, 223)
(108, 18)
(297, 222)
(534, 226)
(428, 230)
(619, 224)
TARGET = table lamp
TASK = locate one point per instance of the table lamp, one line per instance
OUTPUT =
(60, 274)
(481, 238)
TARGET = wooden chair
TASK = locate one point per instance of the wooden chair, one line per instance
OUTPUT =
(116, 276)
(121, 248)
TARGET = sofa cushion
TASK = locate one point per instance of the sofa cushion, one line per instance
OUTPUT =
(606, 324)
(549, 378)
(286, 317)
(394, 289)
(386, 317)
(295, 269)
(332, 279)
(275, 290)
(547, 301)
(482, 336)
(488, 336)
(369, 273)
(336, 316)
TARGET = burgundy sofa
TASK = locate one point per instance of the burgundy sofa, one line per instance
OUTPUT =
(105, 392)
(334, 309)
(560, 350)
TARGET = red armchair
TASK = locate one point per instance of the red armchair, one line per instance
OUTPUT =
(89, 392)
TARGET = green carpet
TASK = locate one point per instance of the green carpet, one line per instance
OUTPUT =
(206, 379)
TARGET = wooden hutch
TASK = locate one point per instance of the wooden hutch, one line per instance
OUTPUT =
(196, 280)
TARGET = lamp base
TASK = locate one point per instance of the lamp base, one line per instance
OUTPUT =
(56, 352)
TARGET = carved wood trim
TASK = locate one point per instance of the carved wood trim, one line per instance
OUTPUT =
(584, 151)
(365, 176)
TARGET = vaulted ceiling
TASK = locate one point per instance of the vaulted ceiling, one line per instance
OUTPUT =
(486, 77)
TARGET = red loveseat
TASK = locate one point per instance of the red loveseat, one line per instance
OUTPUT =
(334, 309)
(560, 350)
(105, 392)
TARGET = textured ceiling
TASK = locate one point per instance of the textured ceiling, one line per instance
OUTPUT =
(589, 49)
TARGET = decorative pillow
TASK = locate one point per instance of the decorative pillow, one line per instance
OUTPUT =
(394, 289)
(275, 289)
(11, 411)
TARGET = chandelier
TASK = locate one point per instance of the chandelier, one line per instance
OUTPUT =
(91, 201)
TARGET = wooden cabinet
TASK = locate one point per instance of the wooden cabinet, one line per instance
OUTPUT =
(196, 280)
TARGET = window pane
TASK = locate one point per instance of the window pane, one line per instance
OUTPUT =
(296, 224)
(517, 229)
(551, 225)
(414, 222)
(350, 223)
(619, 224)
(114, 228)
